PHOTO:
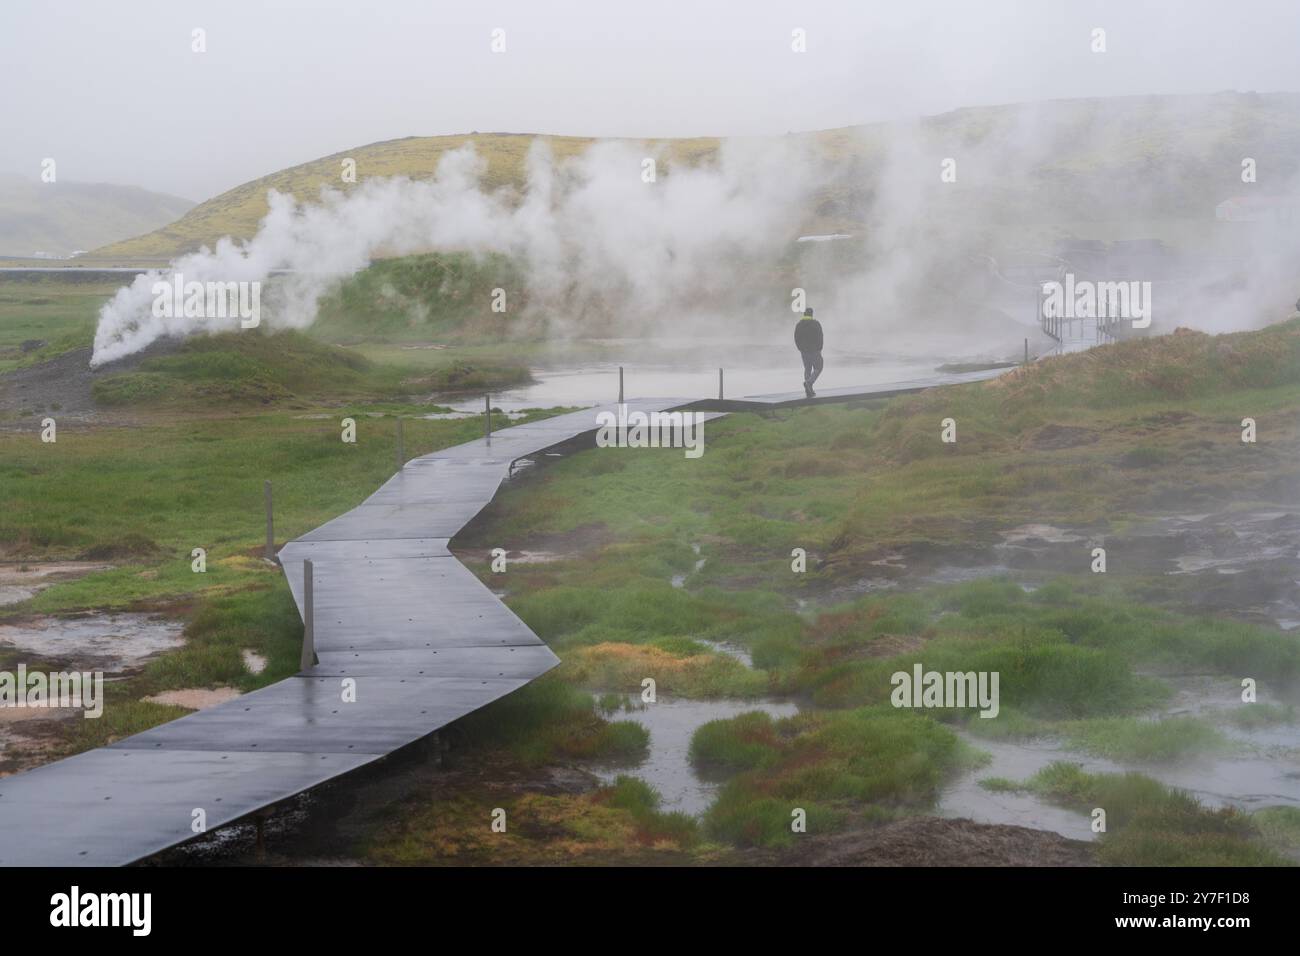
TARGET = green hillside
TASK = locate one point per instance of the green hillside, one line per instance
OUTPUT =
(1153, 158)
(238, 211)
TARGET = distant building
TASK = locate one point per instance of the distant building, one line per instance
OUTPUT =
(1256, 209)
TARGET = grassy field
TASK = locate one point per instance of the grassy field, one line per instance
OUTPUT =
(51, 315)
(362, 349)
(655, 559)
(212, 420)
(1083, 658)
(143, 503)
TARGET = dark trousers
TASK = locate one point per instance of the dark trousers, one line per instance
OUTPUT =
(812, 366)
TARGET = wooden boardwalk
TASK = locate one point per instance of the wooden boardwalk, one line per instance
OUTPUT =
(420, 639)
(830, 395)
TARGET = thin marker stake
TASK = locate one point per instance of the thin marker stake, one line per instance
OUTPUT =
(308, 628)
(270, 525)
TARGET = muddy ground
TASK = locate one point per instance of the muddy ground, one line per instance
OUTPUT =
(1244, 564)
(932, 841)
(62, 387)
(324, 827)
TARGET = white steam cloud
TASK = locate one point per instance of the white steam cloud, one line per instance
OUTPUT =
(590, 234)
(709, 247)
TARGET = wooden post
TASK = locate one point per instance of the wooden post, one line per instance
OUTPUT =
(620, 385)
(719, 384)
(260, 845)
(487, 419)
(270, 525)
(308, 624)
(401, 452)
(1026, 351)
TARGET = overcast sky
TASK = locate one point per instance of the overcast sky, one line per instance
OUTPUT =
(113, 92)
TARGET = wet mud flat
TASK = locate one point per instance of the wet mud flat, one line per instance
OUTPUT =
(21, 581)
(115, 644)
(930, 841)
(1242, 563)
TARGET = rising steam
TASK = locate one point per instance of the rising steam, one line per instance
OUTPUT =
(591, 231)
(711, 246)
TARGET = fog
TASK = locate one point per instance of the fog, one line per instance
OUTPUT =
(115, 93)
(133, 94)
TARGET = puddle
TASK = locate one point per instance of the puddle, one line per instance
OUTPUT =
(21, 582)
(1039, 532)
(667, 768)
(965, 798)
(534, 557)
(679, 580)
(510, 415)
(672, 723)
(1248, 781)
(107, 642)
(1261, 769)
(953, 574)
(910, 578)
(195, 698)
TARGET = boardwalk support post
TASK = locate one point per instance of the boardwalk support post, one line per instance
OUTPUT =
(260, 844)
(270, 524)
(308, 625)
(401, 451)
(620, 385)
(719, 384)
(1026, 351)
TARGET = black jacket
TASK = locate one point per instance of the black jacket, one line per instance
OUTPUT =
(808, 335)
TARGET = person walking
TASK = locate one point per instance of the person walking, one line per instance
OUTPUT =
(808, 340)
